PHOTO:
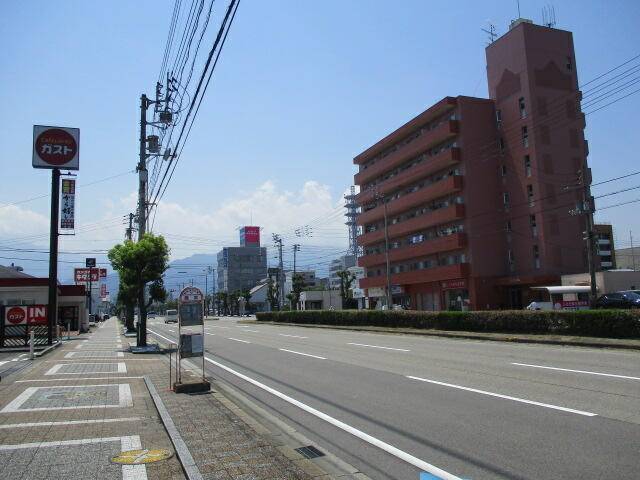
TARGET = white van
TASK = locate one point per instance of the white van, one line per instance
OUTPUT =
(171, 316)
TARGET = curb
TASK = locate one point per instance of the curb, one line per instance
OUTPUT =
(47, 350)
(182, 452)
(462, 335)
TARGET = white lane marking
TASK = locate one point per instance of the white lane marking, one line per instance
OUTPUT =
(161, 336)
(577, 371)
(292, 336)
(254, 331)
(300, 353)
(506, 397)
(237, 340)
(396, 452)
(212, 334)
(68, 422)
(377, 346)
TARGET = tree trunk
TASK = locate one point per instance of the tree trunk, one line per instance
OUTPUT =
(129, 312)
(142, 318)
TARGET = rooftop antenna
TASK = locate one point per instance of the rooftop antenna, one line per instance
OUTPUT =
(549, 16)
(491, 32)
(518, 2)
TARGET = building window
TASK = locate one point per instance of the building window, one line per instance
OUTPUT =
(527, 166)
(569, 64)
(499, 118)
(530, 195)
(511, 261)
(522, 107)
(503, 170)
(501, 145)
(509, 227)
(536, 257)
(525, 137)
(505, 200)
(534, 226)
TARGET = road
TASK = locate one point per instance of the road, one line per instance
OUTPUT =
(394, 405)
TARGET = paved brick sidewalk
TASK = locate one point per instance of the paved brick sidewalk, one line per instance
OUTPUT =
(70, 411)
(66, 415)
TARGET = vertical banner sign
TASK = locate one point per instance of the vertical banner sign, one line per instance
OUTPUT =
(67, 204)
(103, 291)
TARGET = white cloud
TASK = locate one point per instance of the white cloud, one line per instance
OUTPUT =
(277, 211)
(18, 222)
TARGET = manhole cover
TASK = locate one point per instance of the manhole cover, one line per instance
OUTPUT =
(309, 452)
(138, 457)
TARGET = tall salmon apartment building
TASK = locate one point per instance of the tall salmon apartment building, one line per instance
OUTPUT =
(478, 192)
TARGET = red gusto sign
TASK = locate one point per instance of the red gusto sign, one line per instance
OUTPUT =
(26, 315)
(56, 147)
(15, 316)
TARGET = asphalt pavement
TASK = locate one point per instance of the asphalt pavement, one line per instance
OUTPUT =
(396, 405)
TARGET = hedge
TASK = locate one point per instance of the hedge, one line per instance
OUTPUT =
(591, 323)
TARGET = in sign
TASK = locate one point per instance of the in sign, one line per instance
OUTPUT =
(56, 147)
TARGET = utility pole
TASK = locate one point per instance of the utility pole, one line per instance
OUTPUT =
(386, 248)
(296, 248)
(633, 255)
(53, 255)
(278, 241)
(143, 174)
(587, 208)
(130, 229)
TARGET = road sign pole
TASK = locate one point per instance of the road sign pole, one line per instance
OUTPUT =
(53, 255)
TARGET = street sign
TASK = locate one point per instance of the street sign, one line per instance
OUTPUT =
(26, 315)
(103, 290)
(86, 275)
(103, 273)
(90, 262)
(56, 147)
(190, 308)
(191, 345)
(67, 204)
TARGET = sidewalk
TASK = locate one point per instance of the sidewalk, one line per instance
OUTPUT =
(70, 412)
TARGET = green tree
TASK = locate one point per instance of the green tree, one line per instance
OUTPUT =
(127, 302)
(297, 286)
(139, 264)
(346, 280)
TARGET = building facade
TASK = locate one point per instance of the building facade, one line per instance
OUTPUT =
(338, 265)
(473, 189)
(605, 247)
(241, 268)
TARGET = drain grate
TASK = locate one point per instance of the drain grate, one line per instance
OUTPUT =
(309, 452)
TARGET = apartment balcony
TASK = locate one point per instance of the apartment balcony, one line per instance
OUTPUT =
(436, 274)
(437, 217)
(432, 165)
(436, 190)
(441, 133)
(428, 247)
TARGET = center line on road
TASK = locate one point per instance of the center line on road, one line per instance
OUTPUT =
(254, 331)
(576, 371)
(292, 336)
(212, 334)
(300, 353)
(506, 397)
(238, 340)
(390, 449)
(376, 346)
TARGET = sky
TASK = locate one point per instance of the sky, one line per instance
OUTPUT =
(301, 88)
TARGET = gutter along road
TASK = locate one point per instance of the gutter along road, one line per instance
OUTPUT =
(395, 405)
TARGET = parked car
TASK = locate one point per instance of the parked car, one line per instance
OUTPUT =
(106, 316)
(92, 318)
(619, 300)
(171, 316)
(151, 314)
